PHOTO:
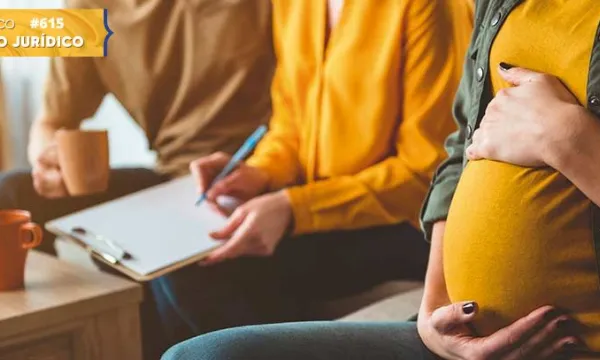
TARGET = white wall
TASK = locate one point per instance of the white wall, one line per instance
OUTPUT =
(23, 80)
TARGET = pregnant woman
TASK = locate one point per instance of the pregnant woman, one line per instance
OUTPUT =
(512, 214)
(520, 230)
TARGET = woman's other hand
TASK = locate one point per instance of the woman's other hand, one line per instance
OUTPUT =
(541, 335)
(244, 183)
(254, 229)
(523, 124)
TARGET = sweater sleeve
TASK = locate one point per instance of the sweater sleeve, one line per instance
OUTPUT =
(73, 92)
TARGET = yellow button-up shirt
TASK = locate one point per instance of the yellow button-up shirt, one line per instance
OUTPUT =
(358, 125)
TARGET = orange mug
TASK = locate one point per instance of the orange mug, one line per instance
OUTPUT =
(84, 160)
(17, 235)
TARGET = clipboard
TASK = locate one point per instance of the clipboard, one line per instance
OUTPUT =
(160, 228)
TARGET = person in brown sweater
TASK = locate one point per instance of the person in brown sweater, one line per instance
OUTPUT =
(195, 75)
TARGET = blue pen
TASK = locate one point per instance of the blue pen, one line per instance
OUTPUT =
(239, 155)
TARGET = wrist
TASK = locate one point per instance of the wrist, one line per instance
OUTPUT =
(41, 135)
(282, 198)
(286, 209)
(571, 142)
(428, 336)
(263, 177)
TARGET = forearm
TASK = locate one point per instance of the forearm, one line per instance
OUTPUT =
(578, 157)
(278, 161)
(435, 294)
(41, 135)
(366, 199)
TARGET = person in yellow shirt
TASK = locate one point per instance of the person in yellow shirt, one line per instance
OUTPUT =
(362, 100)
(361, 107)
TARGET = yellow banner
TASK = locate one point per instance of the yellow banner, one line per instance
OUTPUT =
(54, 33)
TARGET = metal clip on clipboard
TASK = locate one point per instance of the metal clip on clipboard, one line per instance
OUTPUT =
(101, 246)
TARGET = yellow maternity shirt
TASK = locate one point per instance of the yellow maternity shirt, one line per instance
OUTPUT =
(520, 238)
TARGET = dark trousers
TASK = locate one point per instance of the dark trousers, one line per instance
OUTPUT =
(315, 341)
(305, 269)
(197, 300)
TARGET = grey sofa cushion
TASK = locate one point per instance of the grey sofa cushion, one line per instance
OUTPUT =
(398, 307)
(335, 309)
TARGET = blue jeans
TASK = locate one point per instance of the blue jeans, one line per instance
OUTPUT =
(307, 341)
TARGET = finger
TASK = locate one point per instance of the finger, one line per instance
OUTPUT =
(226, 186)
(501, 101)
(473, 153)
(37, 183)
(562, 348)
(197, 176)
(229, 204)
(52, 179)
(512, 336)
(233, 180)
(518, 76)
(206, 168)
(235, 221)
(260, 249)
(49, 157)
(49, 183)
(233, 248)
(539, 341)
(235, 186)
(216, 207)
(448, 318)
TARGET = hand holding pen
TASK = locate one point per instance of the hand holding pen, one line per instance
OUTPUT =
(221, 174)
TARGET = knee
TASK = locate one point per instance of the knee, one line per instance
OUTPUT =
(184, 351)
(231, 344)
(12, 185)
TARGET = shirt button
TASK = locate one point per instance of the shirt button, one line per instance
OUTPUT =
(480, 73)
(594, 101)
(469, 132)
(496, 19)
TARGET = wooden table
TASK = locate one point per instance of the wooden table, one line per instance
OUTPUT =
(68, 312)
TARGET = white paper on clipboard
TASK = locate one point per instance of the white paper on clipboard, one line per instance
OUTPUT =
(159, 226)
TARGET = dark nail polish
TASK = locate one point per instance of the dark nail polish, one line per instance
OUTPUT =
(469, 308)
(504, 66)
(569, 346)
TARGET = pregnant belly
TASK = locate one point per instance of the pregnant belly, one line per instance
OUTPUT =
(517, 239)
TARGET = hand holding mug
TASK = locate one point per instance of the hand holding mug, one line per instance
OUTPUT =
(76, 164)
(47, 176)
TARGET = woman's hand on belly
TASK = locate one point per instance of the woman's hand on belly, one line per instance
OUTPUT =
(524, 123)
(538, 336)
